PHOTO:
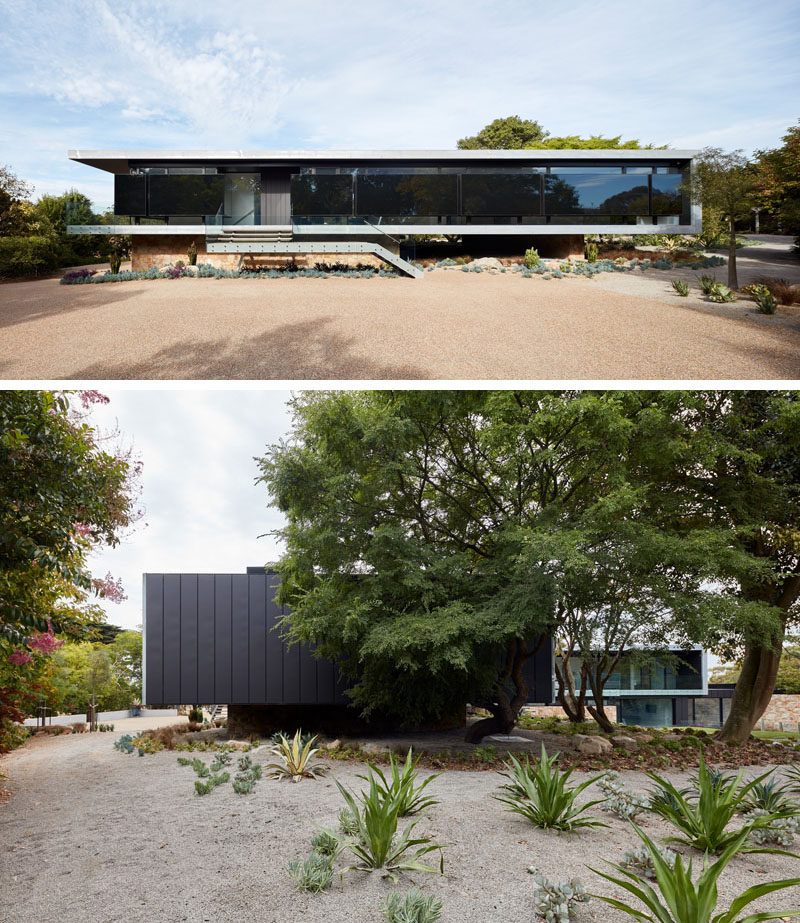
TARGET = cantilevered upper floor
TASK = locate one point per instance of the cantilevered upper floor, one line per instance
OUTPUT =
(346, 193)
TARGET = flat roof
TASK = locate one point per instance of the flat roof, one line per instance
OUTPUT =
(118, 161)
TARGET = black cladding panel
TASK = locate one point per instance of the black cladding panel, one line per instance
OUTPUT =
(130, 195)
(185, 195)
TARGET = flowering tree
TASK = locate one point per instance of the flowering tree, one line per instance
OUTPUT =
(63, 492)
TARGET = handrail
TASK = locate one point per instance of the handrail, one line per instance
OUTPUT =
(252, 211)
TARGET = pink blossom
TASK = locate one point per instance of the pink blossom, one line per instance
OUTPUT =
(19, 656)
(88, 398)
(109, 588)
(82, 529)
(44, 642)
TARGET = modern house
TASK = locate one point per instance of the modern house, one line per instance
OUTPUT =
(240, 205)
(660, 691)
(213, 639)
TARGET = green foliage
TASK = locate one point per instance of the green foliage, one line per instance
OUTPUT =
(315, 874)
(348, 822)
(540, 793)
(32, 255)
(196, 715)
(401, 786)
(531, 257)
(676, 898)
(192, 254)
(412, 907)
(763, 297)
(640, 861)
(326, 843)
(707, 284)
(704, 823)
(777, 832)
(297, 760)
(721, 293)
(249, 773)
(555, 903)
(591, 252)
(769, 796)
(681, 287)
(509, 133)
(377, 844)
(305, 737)
(777, 181)
(594, 142)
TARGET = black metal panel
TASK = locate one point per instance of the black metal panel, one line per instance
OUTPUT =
(223, 687)
(308, 675)
(185, 195)
(154, 638)
(274, 653)
(257, 668)
(172, 639)
(291, 673)
(206, 646)
(501, 193)
(240, 638)
(130, 195)
(188, 591)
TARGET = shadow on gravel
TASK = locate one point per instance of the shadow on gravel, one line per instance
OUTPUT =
(26, 302)
(301, 350)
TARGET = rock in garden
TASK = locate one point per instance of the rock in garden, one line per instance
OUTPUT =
(624, 742)
(592, 746)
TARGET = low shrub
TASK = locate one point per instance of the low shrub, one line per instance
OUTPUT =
(707, 283)
(591, 252)
(74, 274)
(191, 253)
(555, 903)
(196, 716)
(781, 289)
(26, 256)
(721, 293)
(413, 907)
(681, 287)
(531, 258)
(315, 874)
(620, 800)
(763, 297)
(640, 861)
(348, 822)
(777, 832)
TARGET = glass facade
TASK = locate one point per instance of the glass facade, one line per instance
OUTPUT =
(591, 194)
(645, 712)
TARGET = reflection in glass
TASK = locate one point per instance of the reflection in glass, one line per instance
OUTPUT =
(185, 195)
(407, 194)
(322, 194)
(596, 192)
(242, 198)
(501, 194)
(667, 198)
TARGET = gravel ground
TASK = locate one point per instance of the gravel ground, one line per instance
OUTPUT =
(91, 834)
(451, 325)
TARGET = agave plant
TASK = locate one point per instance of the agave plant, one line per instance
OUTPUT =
(402, 787)
(770, 796)
(793, 772)
(297, 760)
(676, 898)
(540, 792)
(704, 822)
(377, 843)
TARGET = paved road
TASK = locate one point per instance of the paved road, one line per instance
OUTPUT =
(450, 325)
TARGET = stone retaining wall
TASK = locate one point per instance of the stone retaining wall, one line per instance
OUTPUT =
(556, 711)
(782, 714)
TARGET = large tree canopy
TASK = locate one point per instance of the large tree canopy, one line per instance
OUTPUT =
(514, 133)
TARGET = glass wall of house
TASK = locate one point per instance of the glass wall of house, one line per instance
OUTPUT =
(644, 711)
(590, 194)
(677, 670)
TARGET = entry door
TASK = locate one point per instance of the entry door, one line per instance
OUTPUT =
(275, 184)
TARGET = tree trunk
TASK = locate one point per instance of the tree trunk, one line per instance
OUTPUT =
(574, 705)
(752, 693)
(597, 711)
(733, 281)
(504, 710)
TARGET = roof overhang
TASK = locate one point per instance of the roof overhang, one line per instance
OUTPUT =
(120, 161)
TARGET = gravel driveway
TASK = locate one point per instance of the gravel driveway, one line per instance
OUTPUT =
(91, 834)
(450, 325)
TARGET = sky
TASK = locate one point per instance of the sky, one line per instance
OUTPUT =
(258, 74)
(203, 512)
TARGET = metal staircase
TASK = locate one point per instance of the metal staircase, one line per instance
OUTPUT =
(278, 239)
(218, 711)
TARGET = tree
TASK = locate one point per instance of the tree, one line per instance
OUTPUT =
(12, 190)
(777, 181)
(787, 678)
(723, 182)
(594, 142)
(510, 133)
(432, 535)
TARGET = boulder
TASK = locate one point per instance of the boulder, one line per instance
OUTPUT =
(591, 745)
(624, 742)
(487, 262)
(331, 744)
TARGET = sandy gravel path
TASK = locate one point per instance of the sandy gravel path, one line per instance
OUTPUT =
(94, 835)
(449, 325)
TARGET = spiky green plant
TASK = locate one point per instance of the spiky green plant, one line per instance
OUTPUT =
(315, 874)
(540, 793)
(297, 760)
(704, 823)
(377, 843)
(681, 287)
(348, 822)
(676, 898)
(770, 796)
(413, 907)
(402, 784)
(706, 284)
(640, 861)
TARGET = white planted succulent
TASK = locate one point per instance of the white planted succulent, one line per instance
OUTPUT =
(555, 903)
(620, 800)
(779, 832)
(641, 862)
